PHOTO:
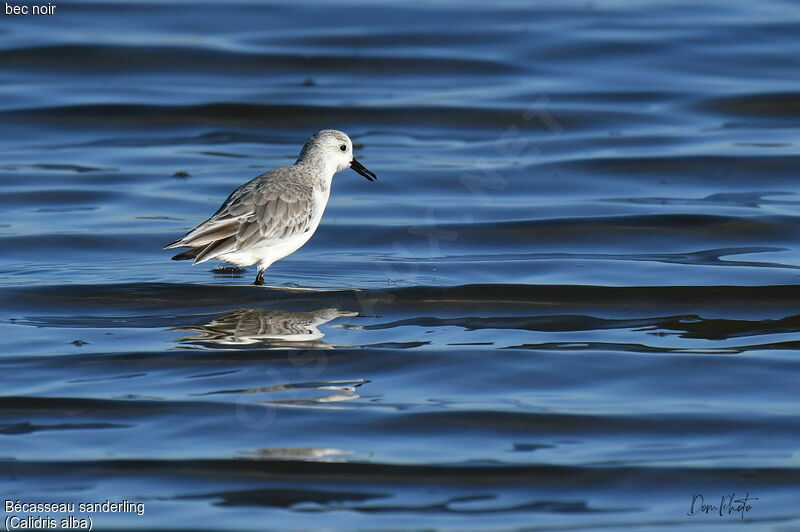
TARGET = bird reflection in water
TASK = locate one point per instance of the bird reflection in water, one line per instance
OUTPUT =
(308, 454)
(267, 327)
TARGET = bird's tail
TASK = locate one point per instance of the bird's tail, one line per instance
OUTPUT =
(188, 254)
(176, 244)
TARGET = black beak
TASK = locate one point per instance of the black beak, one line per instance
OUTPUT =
(361, 169)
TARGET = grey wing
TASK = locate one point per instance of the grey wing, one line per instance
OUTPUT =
(259, 213)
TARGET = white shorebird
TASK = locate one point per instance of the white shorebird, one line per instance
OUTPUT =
(273, 215)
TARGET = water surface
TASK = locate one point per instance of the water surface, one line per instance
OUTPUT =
(570, 302)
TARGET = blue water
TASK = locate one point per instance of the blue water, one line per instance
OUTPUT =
(570, 302)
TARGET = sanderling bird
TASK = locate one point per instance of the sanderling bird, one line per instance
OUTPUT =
(274, 214)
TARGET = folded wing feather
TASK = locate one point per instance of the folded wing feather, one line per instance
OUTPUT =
(259, 213)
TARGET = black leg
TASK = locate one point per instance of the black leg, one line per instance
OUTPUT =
(259, 278)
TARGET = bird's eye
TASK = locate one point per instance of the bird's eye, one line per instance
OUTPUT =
(343, 147)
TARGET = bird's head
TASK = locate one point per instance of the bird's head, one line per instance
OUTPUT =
(336, 148)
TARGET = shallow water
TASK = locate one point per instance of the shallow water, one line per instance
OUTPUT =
(570, 301)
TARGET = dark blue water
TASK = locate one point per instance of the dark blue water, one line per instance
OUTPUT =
(571, 301)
